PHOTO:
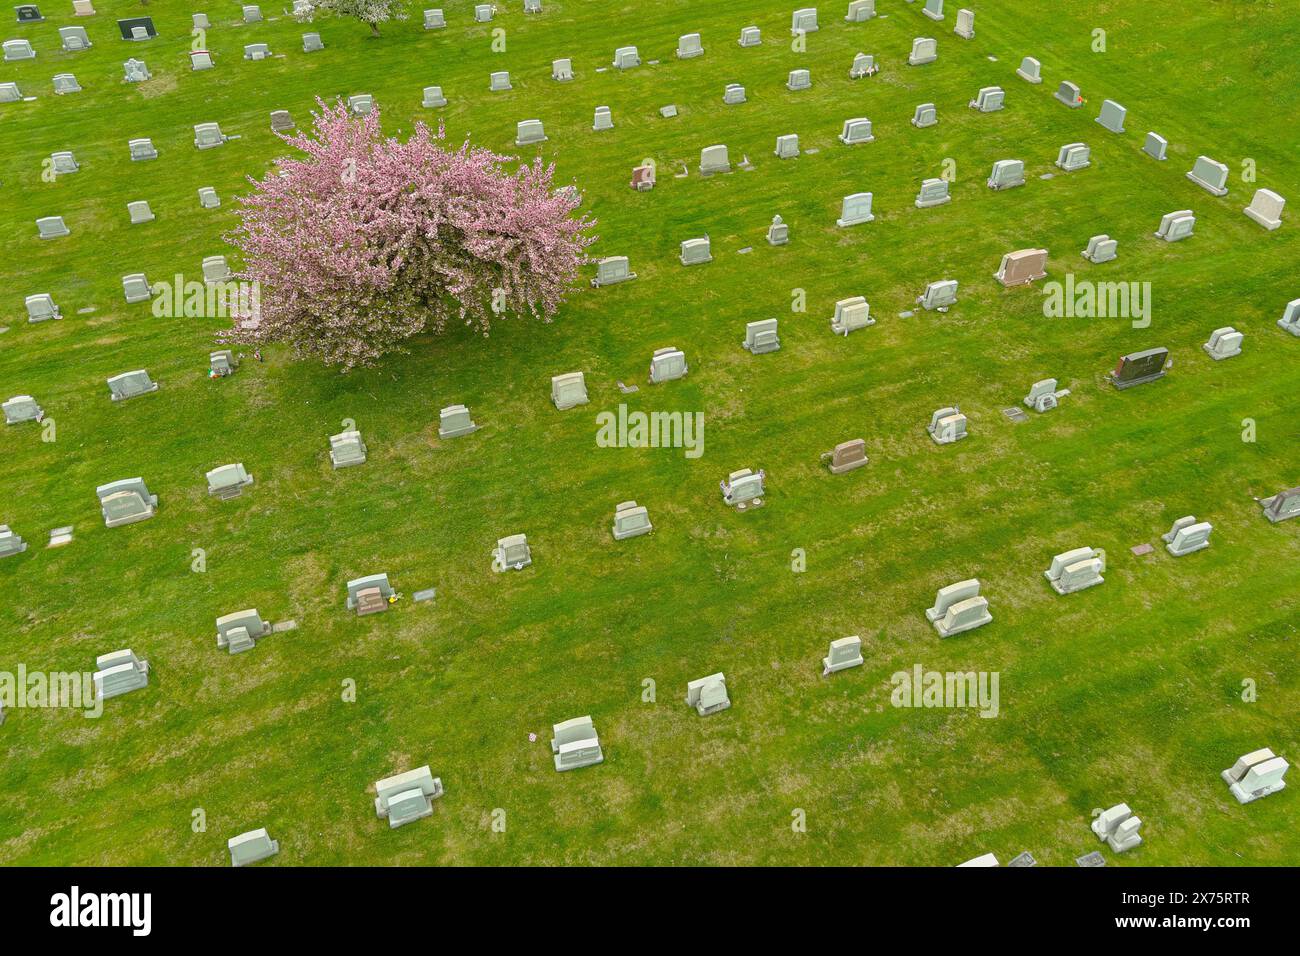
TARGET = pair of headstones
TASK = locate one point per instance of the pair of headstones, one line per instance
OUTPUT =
(744, 489)
(11, 543)
(850, 315)
(1044, 395)
(1281, 506)
(1187, 536)
(208, 136)
(257, 51)
(733, 94)
(989, 99)
(925, 115)
(361, 104)
(761, 337)
(959, 607)
(208, 197)
(643, 178)
(626, 57)
(1118, 828)
(1076, 570)
(708, 695)
(855, 131)
(575, 744)
(119, 672)
(406, 797)
(347, 449)
(1074, 156)
(1175, 226)
(947, 425)
(787, 146)
(1101, 249)
(454, 421)
(750, 36)
(136, 71)
(860, 11)
(631, 520)
(1224, 343)
(863, 66)
(1290, 321)
(371, 594)
(667, 365)
(74, 39)
(142, 150)
(569, 390)
(239, 632)
(1256, 774)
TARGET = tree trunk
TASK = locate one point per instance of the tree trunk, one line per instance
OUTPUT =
(374, 29)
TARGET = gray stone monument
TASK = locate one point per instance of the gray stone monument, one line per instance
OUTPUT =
(1118, 828)
(924, 50)
(22, 408)
(667, 365)
(238, 632)
(947, 425)
(855, 210)
(407, 797)
(1186, 536)
(1112, 116)
(1074, 156)
(511, 553)
(454, 421)
(1266, 209)
(1156, 146)
(1076, 570)
(844, 653)
(708, 695)
(118, 673)
(744, 489)
(761, 337)
(575, 744)
(1007, 174)
(228, 481)
(126, 502)
(130, 384)
(958, 608)
(568, 390)
(1101, 249)
(850, 315)
(1224, 343)
(1256, 774)
(1210, 175)
(252, 847)
(1030, 70)
(612, 270)
(347, 449)
(630, 520)
(1175, 226)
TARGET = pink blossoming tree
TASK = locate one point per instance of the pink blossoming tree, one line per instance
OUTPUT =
(366, 241)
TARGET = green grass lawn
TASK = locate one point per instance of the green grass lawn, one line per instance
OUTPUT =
(1130, 691)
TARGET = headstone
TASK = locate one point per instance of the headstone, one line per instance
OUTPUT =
(483, 12)
(1118, 828)
(434, 20)
(433, 98)
(846, 456)
(575, 744)
(18, 50)
(532, 6)
(1210, 175)
(933, 9)
(1137, 368)
(1256, 774)
(499, 82)
(1112, 116)
(10, 542)
(22, 408)
(1007, 174)
(714, 159)
(222, 363)
(568, 390)
(251, 847)
(934, 192)
(1290, 321)
(281, 121)
(228, 481)
(1022, 267)
(864, 65)
(10, 93)
(215, 269)
(137, 29)
(939, 296)
(1030, 70)
(51, 227)
(689, 46)
(371, 594)
(528, 132)
(1101, 249)
(708, 695)
(29, 13)
(860, 11)
(744, 489)
(855, 210)
(200, 60)
(778, 233)
(1044, 396)
(612, 270)
(984, 860)
(407, 797)
(1076, 570)
(136, 287)
(989, 99)
(1155, 146)
(252, 13)
(454, 421)
(360, 104)
(1092, 859)
(750, 36)
(924, 50)
(347, 449)
(200, 20)
(257, 51)
(512, 552)
(631, 520)
(1177, 225)
(844, 653)
(1281, 506)
(142, 150)
(958, 608)
(41, 307)
(798, 80)
(1074, 156)
(119, 673)
(311, 42)
(74, 39)
(965, 24)
(63, 162)
(83, 8)
(855, 131)
(125, 502)
(1266, 208)
(787, 146)
(643, 178)
(1187, 535)
(1224, 343)
(208, 135)
(562, 70)
(733, 94)
(926, 115)
(238, 632)
(803, 21)
(1068, 94)
(947, 425)
(603, 120)
(139, 211)
(667, 365)
(761, 337)
(626, 57)
(850, 315)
